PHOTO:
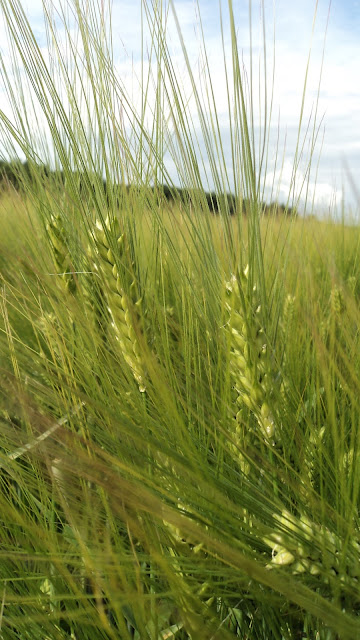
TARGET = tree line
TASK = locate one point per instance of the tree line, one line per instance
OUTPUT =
(19, 175)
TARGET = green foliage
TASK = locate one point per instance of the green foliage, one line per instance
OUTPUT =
(179, 392)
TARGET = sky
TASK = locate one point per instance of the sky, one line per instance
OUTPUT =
(335, 175)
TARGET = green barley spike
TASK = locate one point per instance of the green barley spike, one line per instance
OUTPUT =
(123, 301)
(319, 554)
(288, 315)
(249, 364)
(336, 302)
(61, 256)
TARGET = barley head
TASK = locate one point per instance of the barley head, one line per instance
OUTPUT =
(121, 291)
(60, 252)
(249, 359)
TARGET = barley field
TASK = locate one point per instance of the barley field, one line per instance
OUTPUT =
(179, 415)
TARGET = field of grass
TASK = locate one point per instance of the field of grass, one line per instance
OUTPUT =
(179, 410)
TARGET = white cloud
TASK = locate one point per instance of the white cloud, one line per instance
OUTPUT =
(298, 187)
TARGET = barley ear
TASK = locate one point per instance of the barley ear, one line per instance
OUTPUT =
(249, 360)
(60, 252)
(124, 304)
(319, 553)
